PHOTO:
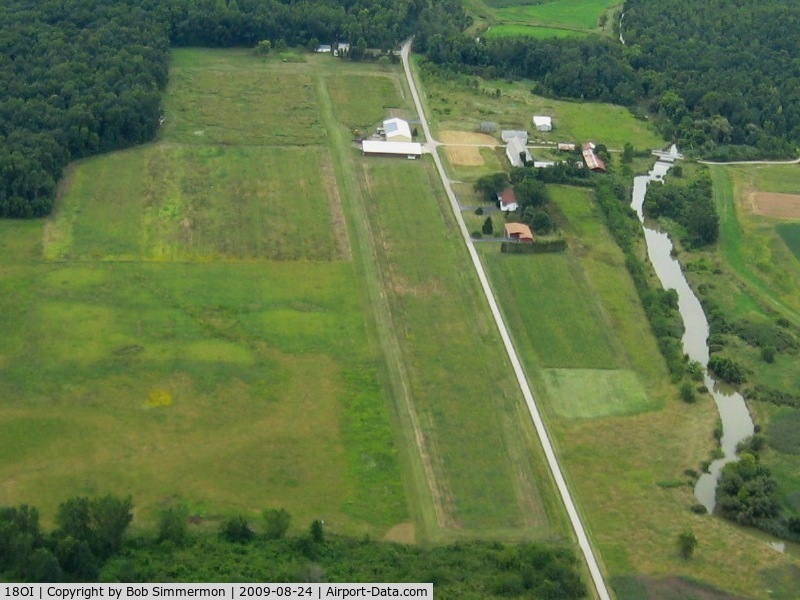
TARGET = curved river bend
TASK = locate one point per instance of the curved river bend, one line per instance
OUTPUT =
(736, 421)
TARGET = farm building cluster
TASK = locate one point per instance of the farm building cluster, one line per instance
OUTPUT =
(393, 138)
(519, 155)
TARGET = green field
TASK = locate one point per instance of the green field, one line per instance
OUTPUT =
(456, 104)
(201, 202)
(575, 14)
(238, 317)
(486, 472)
(188, 325)
(533, 31)
(363, 100)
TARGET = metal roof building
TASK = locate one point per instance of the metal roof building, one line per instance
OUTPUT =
(391, 148)
(515, 147)
(509, 134)
(543, 123)
(397, 130)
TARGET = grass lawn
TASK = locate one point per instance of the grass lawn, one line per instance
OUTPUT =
(533, 31)
(576, 14)
(188, 325)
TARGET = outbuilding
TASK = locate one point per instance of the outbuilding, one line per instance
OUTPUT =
(543, 123)
(518, 155)
(509, 134)
(397, 130)
(379, 147)
(519, 232)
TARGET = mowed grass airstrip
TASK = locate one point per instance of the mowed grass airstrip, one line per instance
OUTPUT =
(248, 313)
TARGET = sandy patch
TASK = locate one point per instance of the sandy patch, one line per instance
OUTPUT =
(781, 206)
(467, 137)
(402, 533)
(464, 156)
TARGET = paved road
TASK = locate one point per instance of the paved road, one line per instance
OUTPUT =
(552, 460)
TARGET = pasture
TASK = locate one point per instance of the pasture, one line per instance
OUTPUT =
(569, 14)
(201, 202)
(458, 105)
(532, 31)
(188, 326)
(362, 101)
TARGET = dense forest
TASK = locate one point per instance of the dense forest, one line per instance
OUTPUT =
(86, 76)
(91, 543)
(722, 78)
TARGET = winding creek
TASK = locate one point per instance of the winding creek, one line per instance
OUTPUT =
(736, 421)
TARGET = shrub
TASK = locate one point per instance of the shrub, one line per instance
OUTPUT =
(276, 523)
(699, 509)
(687, 392)
(768, 354)
(727, 370)
(236, 530)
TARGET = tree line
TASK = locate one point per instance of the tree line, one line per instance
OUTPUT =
(82, 77)
(720, 78)
(91, 542)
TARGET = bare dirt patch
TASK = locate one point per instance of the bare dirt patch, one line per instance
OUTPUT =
(464, 156)
(467, 137)
(781, 206)
(402, 533)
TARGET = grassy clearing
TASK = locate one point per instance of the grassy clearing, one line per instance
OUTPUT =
(457, 105)
(363, 100)
(576, 14)
(533, 31)
(210, 202)
(232, 386)
(487, 476)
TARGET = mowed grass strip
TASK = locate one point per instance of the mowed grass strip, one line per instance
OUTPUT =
(232, 387)
(474, 427)
(592, 393)
(532, 31)
(362, 100)
(193, 202)
(578, 14)
(790, 234)
(551, 307)
(237, 98)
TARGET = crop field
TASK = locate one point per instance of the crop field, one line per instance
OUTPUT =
(575, 14)
(533, 31)
(457, 105)
(363, 100)
(484, 469)
(188, 326)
